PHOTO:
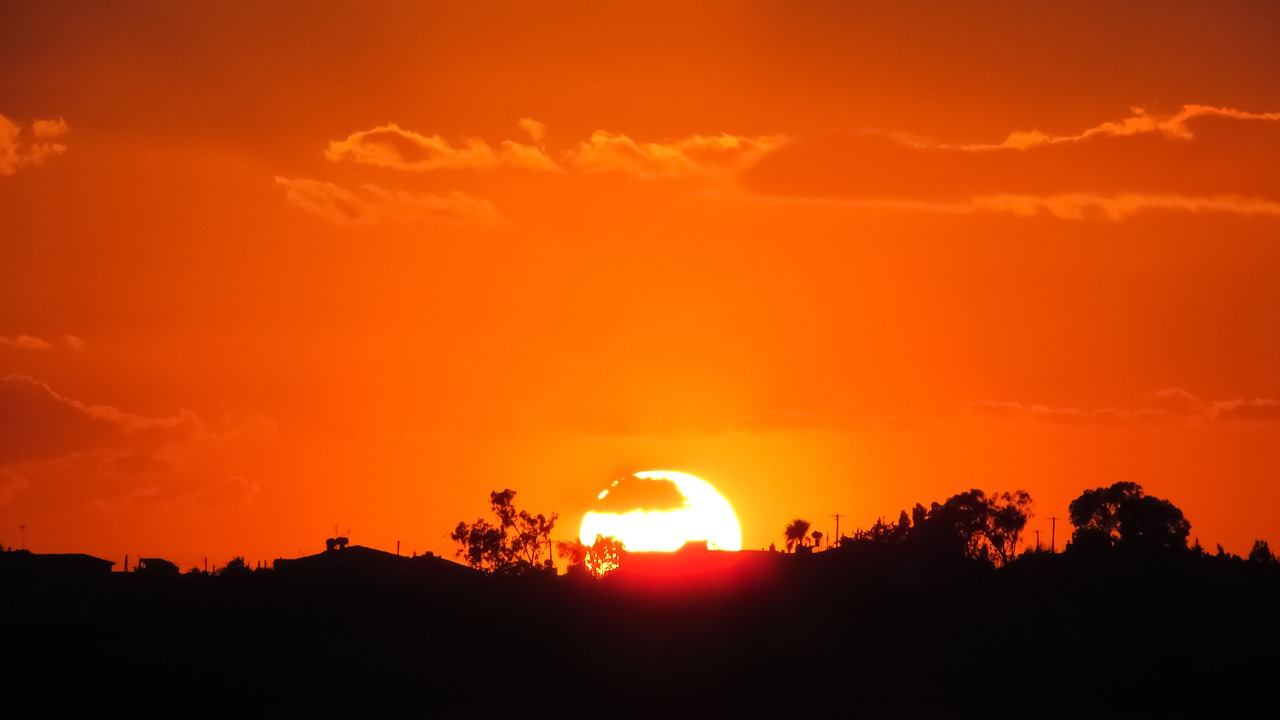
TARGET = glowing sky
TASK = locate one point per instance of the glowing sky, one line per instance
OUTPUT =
(268, 268)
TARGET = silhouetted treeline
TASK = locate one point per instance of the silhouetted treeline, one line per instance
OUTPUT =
(890, 622)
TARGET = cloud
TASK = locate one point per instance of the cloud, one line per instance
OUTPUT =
(29, 342)
(25, 342)
(373, 205)
(1072, 206)
(1174, 127)
(1165, 407)
(1060, 416)
(996, 409)
(1200, 160)
(45, 129)
(536, 130)
(19, 149)
(699, 155)
(42, 425)
(112, 458)
(1081, 206)
(222, 492)
(631, 493)
(1262, 410)
(391, 146)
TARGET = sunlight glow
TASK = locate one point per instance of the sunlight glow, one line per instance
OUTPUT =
(705, 515)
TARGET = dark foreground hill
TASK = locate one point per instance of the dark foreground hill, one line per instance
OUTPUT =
(830, 634)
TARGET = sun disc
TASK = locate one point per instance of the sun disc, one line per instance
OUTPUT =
(661, 510)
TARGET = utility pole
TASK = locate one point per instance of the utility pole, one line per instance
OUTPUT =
(837, 517)
(1053, 534)
(1037, 540)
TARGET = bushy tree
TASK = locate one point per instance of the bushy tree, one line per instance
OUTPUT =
(969, 524)
(1123, 515)
(598, 559)
(514, 545)
(1007, 518)
(235, 567)
(881, 533)
(604, 556)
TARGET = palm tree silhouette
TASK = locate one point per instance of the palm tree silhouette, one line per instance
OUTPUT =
(796, 531)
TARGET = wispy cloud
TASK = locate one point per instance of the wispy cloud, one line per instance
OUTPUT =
(1080, 206)
(1068, 206)
(21, 147)
(43, 425)
(1199, 160)
(372, 204)
(1166, 407)
(25, 342)
(1173, 126)
(121, 457)
(536, 130)
(391, 146)
(698, 155)
(30, 342)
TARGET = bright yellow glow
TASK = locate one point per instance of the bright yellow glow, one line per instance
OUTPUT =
(706, 515)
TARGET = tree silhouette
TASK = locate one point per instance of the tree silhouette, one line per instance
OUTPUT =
(1261, 553)
(604, 556)
(598, 559)
(515, 545)
(235, 567)
(968, 525)
(1123, 515)
(1007, 517)
(881, 532)
(795, 533)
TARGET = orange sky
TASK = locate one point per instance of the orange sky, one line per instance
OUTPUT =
(268, 270)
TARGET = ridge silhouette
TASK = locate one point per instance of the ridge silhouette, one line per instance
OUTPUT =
(881, 623)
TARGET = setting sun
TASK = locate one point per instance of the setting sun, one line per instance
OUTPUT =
(661, 510)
